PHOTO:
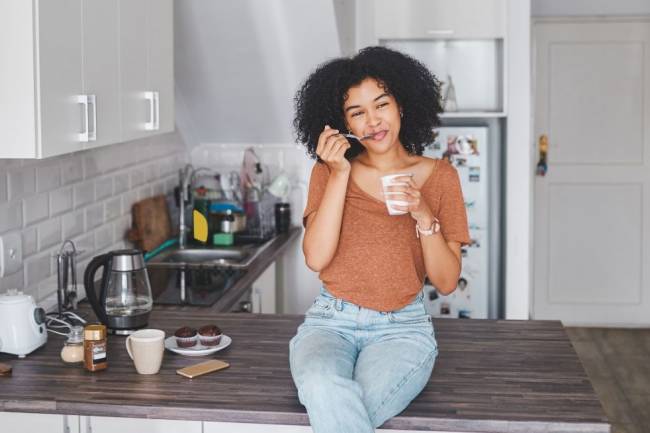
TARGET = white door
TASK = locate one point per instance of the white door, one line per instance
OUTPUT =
(101, 424)
(591, 231)
(133, 67)
(101, 68)
(160, 60)
(59, 76)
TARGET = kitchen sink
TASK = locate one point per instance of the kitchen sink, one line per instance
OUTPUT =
(238, 257)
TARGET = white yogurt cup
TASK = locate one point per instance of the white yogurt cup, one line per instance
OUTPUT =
(388, 180)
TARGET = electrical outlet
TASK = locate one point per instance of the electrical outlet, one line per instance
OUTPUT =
(11, 253)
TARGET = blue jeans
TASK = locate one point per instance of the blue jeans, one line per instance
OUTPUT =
(355, 368)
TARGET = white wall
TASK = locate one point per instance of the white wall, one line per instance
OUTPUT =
(239, 63)
(589, 7)
(84, 196)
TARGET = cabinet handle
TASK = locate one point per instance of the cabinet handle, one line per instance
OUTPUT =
(83, 100)
(153, 123)
(92, 134)
(156, 97)
(441, 32)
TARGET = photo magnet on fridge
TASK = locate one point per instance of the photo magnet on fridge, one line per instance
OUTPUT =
(474, 174)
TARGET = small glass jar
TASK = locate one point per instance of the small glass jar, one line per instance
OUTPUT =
(73, 348)
(95, 347)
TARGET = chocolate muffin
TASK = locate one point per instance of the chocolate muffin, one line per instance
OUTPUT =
(209, 335)
(186, 337)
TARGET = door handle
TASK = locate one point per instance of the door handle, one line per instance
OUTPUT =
(542, 164)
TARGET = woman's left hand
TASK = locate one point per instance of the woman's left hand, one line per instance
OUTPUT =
(410, 193)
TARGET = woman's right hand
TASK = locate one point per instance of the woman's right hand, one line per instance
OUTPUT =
(331, 149)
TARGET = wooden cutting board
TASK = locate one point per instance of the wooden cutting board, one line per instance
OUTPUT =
(151, 224)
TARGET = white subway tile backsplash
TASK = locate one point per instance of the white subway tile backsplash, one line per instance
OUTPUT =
(13, 281)
(21, 182)
(103, 188)
(29, 238)
(144, 192)
(11, 216)
(85, 197)
(137, 177)
(103, 237)
(94, 216)
(89, 164)
(84, 193)
(121, 182)
(71, 170)
(48, 177)
(120, 227)
(73, 224)
(113, 208)
(85, 244)
(157, 188)
(37, 268)
(35, 208)
(49, 233)
(61, 201)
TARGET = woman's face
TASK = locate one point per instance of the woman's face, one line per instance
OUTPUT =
(370, 110)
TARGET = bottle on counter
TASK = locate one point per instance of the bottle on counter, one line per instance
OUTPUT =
(95, 348)
(73, 348)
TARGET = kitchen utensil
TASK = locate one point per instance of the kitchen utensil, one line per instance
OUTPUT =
(22, 324)
(199, 349)
(193, 371)
(66, 271)
(151, 223)
(357, 138)
(124, 301)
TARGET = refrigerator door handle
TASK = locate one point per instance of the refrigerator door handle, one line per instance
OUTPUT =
(542, 165)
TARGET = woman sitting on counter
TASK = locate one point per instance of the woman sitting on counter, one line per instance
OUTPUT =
(367, 348)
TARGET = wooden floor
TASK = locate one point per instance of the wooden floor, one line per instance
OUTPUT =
(618, 364)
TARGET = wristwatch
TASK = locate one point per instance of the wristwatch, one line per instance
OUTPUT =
(435, 228)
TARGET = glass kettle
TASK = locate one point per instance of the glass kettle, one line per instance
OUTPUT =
(123, 299)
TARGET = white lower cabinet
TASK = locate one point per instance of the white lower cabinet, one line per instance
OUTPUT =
(235, 427)
(101, 424)
(38, 423)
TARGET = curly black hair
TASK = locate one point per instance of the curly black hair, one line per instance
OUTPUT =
(319, 101)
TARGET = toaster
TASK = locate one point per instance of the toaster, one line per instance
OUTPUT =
(22, 324)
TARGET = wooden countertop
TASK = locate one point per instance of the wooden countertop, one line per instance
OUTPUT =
(490, 376)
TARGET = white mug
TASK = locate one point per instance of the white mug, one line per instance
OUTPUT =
(146, 347)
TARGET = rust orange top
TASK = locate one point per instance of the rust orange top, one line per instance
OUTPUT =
(379, 262)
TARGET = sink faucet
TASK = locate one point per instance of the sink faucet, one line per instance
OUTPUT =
(185, 179)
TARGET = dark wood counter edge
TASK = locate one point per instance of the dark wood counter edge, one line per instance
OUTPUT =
(259, 265)
(259, 417)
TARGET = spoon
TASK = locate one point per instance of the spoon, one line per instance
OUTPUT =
(357, 138)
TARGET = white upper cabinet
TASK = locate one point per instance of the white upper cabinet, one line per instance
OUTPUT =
(101, 70)
(78, 74)
(160, 61)
(440, 19)
(146, 46)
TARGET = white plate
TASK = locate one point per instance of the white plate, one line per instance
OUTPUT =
(199, 349)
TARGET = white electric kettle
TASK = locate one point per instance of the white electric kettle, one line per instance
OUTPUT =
(22, 324)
